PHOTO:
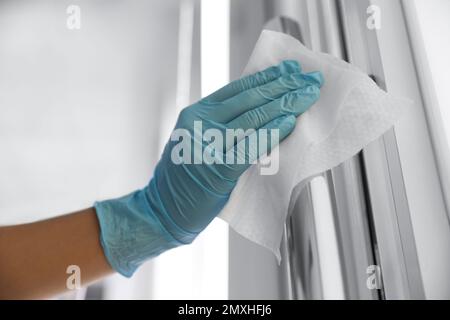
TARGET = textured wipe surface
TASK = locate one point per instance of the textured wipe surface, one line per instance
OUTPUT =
(351, 112)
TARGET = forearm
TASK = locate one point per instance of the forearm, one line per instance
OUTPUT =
(34, 257)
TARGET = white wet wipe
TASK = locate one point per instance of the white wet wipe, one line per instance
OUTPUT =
(352, 112)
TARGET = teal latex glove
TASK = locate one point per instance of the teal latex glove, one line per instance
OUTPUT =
(184, 196)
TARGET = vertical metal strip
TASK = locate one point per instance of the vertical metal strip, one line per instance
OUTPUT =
(382, 172)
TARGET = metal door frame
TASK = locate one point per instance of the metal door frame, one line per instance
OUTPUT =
(368, 194)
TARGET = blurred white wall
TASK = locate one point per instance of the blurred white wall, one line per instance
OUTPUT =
(434, 23)
(80, 109)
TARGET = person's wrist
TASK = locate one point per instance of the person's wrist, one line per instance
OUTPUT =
(131, 231)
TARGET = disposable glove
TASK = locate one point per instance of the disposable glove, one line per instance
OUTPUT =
(186, 191)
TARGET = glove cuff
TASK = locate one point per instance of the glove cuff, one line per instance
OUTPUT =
(131, 231)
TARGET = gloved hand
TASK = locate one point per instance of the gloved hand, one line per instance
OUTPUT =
(186, 191)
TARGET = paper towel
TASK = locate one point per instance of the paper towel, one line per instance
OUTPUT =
(351, 112)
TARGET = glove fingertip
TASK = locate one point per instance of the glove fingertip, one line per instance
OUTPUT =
(289, 66)
(317, 77)
(287, 126)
